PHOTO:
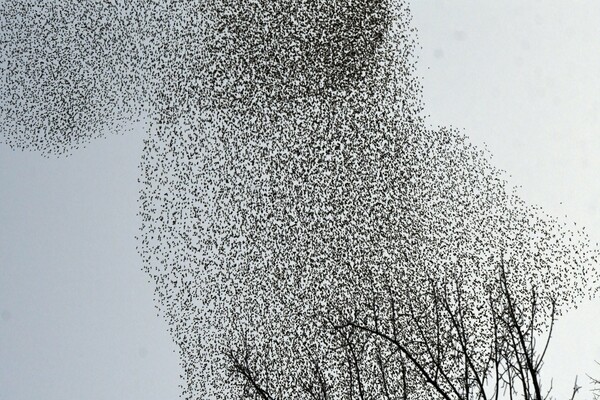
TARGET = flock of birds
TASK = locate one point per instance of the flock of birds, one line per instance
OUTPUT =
(288, 178)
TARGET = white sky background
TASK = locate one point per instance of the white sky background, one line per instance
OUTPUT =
(77, 319)
(77, 316)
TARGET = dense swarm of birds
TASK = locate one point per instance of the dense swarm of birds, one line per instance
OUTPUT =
(295, 208)
(71, 71)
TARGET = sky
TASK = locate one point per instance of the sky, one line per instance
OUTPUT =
(77, 318)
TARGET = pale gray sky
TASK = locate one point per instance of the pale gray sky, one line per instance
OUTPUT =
(77, 320)
(77, 317)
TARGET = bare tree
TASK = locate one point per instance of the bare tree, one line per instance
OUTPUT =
(437, 336)
(595, 385)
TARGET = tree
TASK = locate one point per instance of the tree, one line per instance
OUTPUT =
(432, 338)
(457, 360)
(596, 386)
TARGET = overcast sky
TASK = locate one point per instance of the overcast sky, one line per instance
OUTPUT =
(77, 319)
